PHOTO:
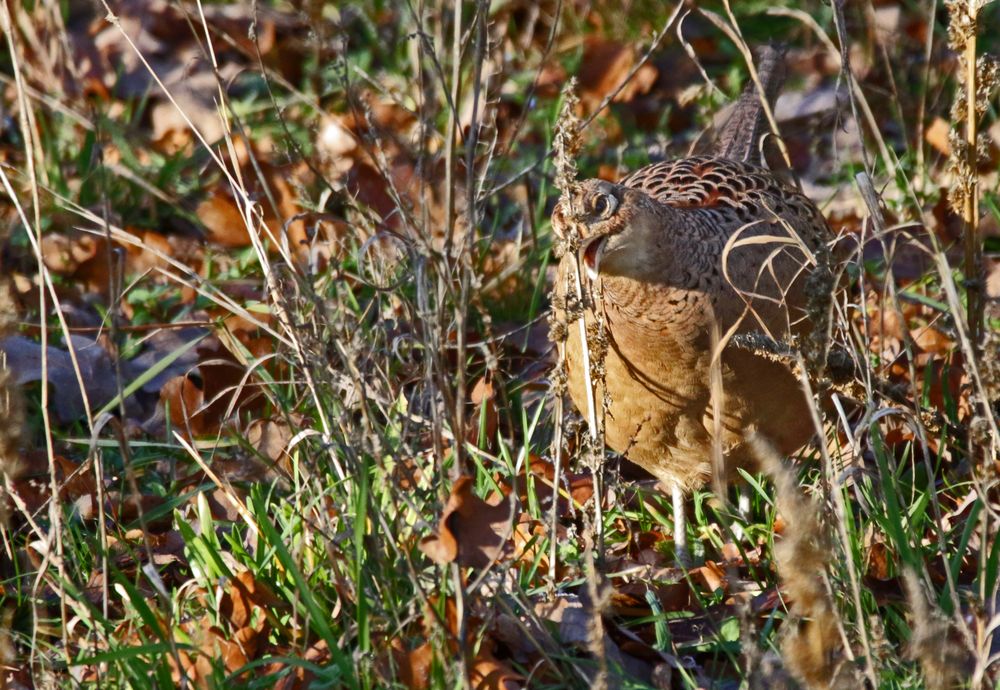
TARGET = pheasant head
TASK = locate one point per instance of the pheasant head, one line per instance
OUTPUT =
(616, 230)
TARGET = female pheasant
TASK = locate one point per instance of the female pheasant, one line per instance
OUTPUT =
(676, 251)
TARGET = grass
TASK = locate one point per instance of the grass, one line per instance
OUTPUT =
(263, 516)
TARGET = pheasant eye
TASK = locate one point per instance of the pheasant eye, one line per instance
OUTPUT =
(604, 205)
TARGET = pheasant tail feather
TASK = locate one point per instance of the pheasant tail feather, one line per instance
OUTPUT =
(739, 138)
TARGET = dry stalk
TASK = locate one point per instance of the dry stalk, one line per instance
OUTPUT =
(814, 646)
(12, 413)
(979, 77)
(933, 645)
(967, 108)
(33, 229)
(840, 508)
(718, 398)
(566, 146)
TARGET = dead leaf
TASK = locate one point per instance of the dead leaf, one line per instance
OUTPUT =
(199, 401)
(157, 347)
(222, 220)
(64, 254)
(937, 136)
(878, 561)
(211, 644)
(489, 673)
(528, 539)
(270, 438)
(471, 531)
(604, 68)
(30, 480)
(580, 486)
(569, 614)
(181, 398)
(244, 595)
(486, 418)
(712, 575)
(127, 509)
(930, 339)
(222, 216)
(24, 359)
(169, 44)
(412, 666)
(336, 146)
(550, 80)
(301, 678)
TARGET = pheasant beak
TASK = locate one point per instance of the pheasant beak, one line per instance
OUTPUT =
(591, 254)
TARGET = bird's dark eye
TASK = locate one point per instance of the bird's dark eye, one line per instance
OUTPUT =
(604, 205)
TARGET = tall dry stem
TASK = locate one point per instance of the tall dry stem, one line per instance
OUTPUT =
(942, 661)
(969, 105)
(814, 645)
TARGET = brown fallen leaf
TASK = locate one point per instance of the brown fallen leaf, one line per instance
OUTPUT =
(300, 678)
(129, 555)
(930, 339)
(245, 594)
(222, 219)
(29, 475)
(336, 145)
(711, 575)
(172, 47)
(490, 673)
(486, 418)
(471, 531)
(412, 666)
(127, 509)
(210, 646)
(550, 79)
(604, 68)
(24, 359)
(181, 398)
(256, 340)
(937, 136)
(394, 181)
(199, 404)
(156, 347)
(877, 560)
(571, 617)
(529, 538)
(64, 254)
(221, 213)
(98, 371)
(270, 438)
(580, 486)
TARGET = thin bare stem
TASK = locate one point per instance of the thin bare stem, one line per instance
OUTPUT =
(970, 207)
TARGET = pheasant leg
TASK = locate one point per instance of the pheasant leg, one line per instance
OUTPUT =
(680, 528)
(742, 512)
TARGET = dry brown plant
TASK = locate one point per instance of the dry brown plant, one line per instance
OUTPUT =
(979, 77)
(813, 645)
(11, 408)
(943, 661)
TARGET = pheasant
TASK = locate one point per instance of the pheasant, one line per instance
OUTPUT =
(674, 253)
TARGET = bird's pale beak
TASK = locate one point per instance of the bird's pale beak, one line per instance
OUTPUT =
(591, 253)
